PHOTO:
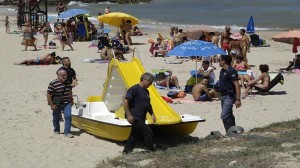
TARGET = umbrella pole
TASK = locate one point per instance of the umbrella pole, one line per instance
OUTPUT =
(196, 73)
(295, 60)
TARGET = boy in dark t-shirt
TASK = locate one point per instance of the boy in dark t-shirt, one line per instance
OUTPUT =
(71, 72)
(137, 104)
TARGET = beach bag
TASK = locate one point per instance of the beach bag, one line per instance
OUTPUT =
(56, 100)
(176, 94)
(52, 43)
(172, 94)
(188, 88)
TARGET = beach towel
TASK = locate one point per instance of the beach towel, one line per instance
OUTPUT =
(297, 71)
(163, 87)
(168, 100)
(100, 61)
(185, 100)
(173, 62)
(15, 32)
(49, 47)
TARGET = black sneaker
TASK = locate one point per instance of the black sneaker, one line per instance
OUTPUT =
(125, 151)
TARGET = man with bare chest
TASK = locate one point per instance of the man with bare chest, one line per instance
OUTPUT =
(245, 43)
(225, 39)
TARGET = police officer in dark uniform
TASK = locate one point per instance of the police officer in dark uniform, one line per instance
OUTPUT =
(230, 91)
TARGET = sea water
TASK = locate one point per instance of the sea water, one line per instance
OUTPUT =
(267, 14)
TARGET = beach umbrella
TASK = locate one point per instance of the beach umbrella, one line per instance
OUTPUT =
(250, 26)
(196, 48)
(72, 13)
(115, 18)
(291, 36)
(196, 32)
(287, 36)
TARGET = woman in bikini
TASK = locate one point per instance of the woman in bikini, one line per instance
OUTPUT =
(71, 31)
(64, 37)
(235, 46)
(45, 31)
(28, 37)
(241, 66)
(264, 78)
(128, 28)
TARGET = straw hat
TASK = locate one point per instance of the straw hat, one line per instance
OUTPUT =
(236, 36)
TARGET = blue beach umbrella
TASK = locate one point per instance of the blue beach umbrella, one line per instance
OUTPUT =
(250, 26)
(71, 13)
(196, 48)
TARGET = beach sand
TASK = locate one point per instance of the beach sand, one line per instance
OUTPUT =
(26, 133)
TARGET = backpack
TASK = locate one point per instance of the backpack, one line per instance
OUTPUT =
(176, 94)
(172, 94)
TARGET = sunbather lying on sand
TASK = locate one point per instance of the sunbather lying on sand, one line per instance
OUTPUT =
(43, 60)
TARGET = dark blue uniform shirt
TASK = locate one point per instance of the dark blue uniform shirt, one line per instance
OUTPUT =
(226, 79)
(139, 101)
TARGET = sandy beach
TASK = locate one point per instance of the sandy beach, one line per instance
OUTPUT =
(26, 135)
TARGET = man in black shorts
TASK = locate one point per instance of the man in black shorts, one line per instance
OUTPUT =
(137, 104)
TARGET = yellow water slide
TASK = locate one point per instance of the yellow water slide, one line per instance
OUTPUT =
(129, 74)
